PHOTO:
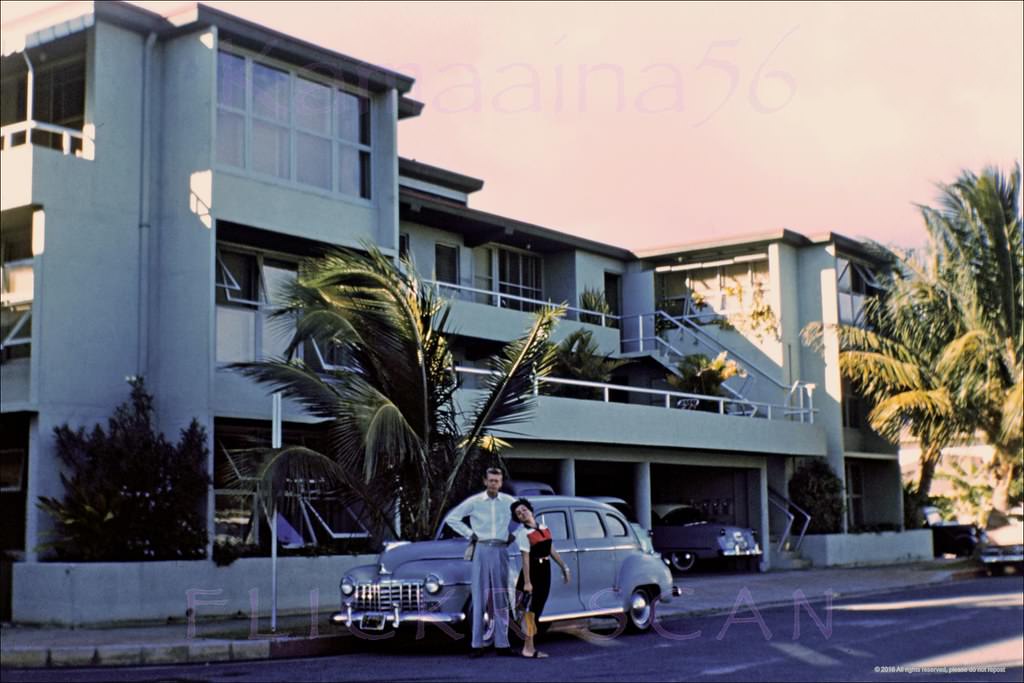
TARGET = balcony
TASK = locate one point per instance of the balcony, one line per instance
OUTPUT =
(499, 316)
(659, 418)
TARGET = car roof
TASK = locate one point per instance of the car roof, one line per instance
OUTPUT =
(611, 500)
(563, 501)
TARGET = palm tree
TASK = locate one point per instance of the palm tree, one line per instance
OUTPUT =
(978, 235)
(578, 357)
(892, 363)
(398, 445)
(944, 355)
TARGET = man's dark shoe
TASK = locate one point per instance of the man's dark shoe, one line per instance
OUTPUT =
(505, 652)
(476, 653)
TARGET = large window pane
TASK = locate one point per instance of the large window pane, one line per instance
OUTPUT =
(231, 80)
(270, 149)
(236, 334)
(313, 106)
(352, 171)
(230, 138)
(270, 93)
(353, 117)
(313, 160)
(276, 335)
(446, 264)
(588, 524)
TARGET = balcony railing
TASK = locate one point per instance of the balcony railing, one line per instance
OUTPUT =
(502, 300)
(675, 399)
(72, 141)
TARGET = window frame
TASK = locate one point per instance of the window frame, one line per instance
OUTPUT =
(294, 130)
(600, 522)
(458, 262)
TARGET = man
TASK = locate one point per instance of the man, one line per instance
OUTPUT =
(489, 518)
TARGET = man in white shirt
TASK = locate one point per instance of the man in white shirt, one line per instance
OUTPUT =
(489, 518)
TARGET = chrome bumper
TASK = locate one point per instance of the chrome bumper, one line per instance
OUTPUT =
(756, 550)
(1013, 556)
(395, 617)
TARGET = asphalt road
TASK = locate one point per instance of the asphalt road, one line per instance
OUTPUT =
(933, 633)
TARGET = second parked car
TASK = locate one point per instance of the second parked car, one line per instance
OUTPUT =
(684, 537)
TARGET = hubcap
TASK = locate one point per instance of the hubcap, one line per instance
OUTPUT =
(683, 561)
(640, 609)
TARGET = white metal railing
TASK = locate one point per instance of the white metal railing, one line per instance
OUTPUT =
(671, 399)
(67, 135)
(498, 299)
(800, 395)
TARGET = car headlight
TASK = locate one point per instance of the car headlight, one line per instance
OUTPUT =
(348, 586)
(433, 584)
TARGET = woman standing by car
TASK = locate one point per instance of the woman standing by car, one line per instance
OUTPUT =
(534, 584)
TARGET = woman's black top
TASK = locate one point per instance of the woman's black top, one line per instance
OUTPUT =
(540, 568)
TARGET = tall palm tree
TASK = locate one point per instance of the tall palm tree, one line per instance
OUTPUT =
(978, 234)
(945, 355)
(398, 445)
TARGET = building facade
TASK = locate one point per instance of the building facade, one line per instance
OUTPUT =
(163, 175)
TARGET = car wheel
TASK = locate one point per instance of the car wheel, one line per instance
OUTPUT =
(683, 560)
(640, 612)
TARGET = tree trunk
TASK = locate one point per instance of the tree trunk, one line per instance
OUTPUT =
(1001, 491)
(930, 458)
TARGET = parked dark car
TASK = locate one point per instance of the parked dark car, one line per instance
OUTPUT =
(951, 537)
(1002, 544)
(684, 537)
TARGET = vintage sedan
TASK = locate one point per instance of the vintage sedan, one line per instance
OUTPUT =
(1002, 544)
(429, 581)
(684, 537)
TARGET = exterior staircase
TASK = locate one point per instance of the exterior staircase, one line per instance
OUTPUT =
(787, 559)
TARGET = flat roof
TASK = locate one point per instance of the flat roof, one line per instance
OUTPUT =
(411, 168)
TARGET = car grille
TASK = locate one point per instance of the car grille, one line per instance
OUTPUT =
(386, 595)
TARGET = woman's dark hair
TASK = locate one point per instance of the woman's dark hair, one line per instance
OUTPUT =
(517, 503)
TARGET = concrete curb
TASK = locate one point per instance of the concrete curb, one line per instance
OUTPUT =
(289, 647)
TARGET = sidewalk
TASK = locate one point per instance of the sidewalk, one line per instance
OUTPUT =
(230, 640)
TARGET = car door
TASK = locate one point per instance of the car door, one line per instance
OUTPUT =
(564, 598)
(598, 568)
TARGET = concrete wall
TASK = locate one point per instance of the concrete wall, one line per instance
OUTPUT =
(70, 594)
(889, 547)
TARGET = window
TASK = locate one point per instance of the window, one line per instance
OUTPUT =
(274, 122)
(446, 264)
(248, 285)
(557, 523)
(58, 98)
(519, 274)
(403, 246)
(855, 283)
(853, 405)
(613, 292)
(17, 283)
(616, 527)
(588, 524)
(483, 274)
(855, 494)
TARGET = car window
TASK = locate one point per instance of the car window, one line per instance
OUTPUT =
(680, 516)
(588, 524)
(557, 523)
(616, 527)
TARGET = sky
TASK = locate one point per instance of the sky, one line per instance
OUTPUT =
(651, 124)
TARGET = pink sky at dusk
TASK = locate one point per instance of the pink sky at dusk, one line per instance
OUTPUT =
(650, 124)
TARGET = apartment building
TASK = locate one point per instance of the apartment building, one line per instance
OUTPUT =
(162, 175)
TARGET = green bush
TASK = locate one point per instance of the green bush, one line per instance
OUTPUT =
(816, 488)
(131, 494)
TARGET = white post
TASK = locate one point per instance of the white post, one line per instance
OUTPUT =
(606, 393)
(275, 442)
(640, 330)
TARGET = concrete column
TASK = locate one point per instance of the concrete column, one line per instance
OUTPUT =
(567, 477)
(642, 493)
(762, 520)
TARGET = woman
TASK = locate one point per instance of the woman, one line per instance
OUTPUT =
(534, 582)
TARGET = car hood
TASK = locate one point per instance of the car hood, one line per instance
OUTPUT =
(449, 549)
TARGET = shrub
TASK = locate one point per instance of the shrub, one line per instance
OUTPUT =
(131, 494)
(816, 488)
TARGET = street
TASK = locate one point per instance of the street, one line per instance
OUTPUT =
(929, 633)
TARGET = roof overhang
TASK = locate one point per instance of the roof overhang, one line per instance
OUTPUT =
(480, 227)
